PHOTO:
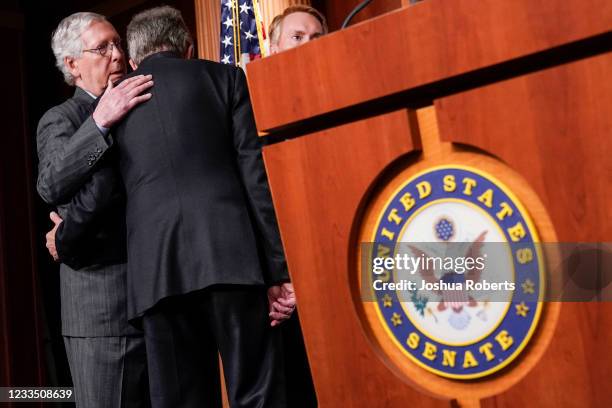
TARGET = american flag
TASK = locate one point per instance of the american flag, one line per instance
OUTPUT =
(242, 32)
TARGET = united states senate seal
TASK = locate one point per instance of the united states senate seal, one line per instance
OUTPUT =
(460, 320)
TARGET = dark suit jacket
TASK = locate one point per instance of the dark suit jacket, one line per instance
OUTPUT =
(77, 171)
(199, 210)
(75, 175)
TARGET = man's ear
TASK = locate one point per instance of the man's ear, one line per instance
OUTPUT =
(189, 52)
(72, 65)
(274, 49)
(133, 64)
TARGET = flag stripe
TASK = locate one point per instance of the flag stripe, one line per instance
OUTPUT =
(242, 33)
(261, 33)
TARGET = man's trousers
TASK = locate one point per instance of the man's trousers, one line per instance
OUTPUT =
(184, 335)
(106, 355)
(108, 372)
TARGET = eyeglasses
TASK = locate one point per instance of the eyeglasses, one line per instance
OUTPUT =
(103, 50)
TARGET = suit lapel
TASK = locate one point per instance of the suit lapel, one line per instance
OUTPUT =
(86, 103)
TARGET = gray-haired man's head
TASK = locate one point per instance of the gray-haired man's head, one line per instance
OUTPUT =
(157, 29)
(88, 51)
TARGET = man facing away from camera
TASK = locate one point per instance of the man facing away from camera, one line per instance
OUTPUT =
(105, 354)
(207, 271)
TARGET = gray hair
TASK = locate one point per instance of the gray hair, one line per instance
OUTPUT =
(157, 29)
(66, 39)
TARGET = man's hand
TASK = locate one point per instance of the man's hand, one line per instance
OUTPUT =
(115, 102)
(51, 235)
(281, 302)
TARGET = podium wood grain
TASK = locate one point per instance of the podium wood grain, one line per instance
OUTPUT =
(519, 88)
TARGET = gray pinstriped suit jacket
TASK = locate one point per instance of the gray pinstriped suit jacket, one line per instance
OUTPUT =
(71, 152)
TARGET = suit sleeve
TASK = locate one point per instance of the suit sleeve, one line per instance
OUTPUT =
(67, 155)
(253, 173)
(102, 190)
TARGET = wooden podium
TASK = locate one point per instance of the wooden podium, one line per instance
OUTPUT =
(518, 89)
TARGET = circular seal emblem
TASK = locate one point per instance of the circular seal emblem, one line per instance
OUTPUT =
(456, 272)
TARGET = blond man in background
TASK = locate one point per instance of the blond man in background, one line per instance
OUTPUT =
(296, 25)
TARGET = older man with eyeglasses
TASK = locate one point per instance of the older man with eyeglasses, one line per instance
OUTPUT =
(76, 168)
